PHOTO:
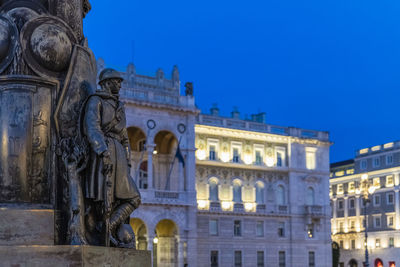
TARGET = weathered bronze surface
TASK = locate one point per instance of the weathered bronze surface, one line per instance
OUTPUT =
(63, 142)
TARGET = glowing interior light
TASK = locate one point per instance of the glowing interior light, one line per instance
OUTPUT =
(247, 159)
(269, 161)
(226, 205)
(225, 156)
(155, 152)
(155, 240)
(201, 154)
(202, 204)
(249, 206)
(364, 176)
(371, 190)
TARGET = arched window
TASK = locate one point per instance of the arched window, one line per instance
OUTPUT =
(143, 175)
(260, 192)
(213, 189)
(280, 195)
(237, 191)
(310, 196)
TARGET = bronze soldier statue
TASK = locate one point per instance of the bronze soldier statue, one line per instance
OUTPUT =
(108, 182)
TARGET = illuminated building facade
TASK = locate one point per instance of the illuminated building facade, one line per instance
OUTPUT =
(262, 193)
(245, 194)
(381, 165)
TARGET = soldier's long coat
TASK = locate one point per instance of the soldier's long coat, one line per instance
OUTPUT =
(105, 128)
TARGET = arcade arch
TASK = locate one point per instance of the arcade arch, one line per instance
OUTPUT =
(140, 230)
(165, 248)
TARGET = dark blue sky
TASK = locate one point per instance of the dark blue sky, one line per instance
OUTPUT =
(329, 65)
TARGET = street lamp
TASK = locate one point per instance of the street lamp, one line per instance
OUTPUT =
(366, 189)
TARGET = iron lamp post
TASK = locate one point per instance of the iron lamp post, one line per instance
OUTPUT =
(367, 189)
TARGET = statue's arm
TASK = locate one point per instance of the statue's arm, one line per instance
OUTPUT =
(125, 143)
(92, 124)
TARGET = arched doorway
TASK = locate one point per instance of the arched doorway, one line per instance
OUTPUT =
(167, 169)
(353, 263)
(165, 249)
(378, 263)
(140, 230)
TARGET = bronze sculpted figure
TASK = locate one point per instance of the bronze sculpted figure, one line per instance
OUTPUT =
(108, 182)
(65, 144)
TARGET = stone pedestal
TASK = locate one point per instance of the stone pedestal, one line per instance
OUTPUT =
(72, 256)
(26, 225)
(27, 239)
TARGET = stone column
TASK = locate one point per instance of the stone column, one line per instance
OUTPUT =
(346, 214)
(180, 251)
(397, 207)
(150, 247)
(334, 207)
(150, 150)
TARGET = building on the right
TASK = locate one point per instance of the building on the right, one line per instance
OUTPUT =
(367, 187)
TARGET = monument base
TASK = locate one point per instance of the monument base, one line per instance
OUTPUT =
(72, 256)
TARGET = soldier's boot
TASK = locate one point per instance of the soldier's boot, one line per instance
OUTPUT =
(122, 213)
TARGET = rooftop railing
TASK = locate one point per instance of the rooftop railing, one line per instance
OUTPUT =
(213, 120)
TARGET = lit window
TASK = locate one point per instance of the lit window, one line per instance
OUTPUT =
(352, 225)
(350, 171)
(389, 159)
(339, 189)
(339, 173)
(341, 243)
(363, 164)
(352, 187)
(237, 228)
(353, 244)
(260, 229)
(310, 158)
(376, 162)
(389, 180)
(377, 182)
(390, 220)
(281, 229)
(341, 228)
(377, 243)
(213, 227)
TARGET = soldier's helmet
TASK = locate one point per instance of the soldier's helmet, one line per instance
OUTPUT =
(108, 73)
